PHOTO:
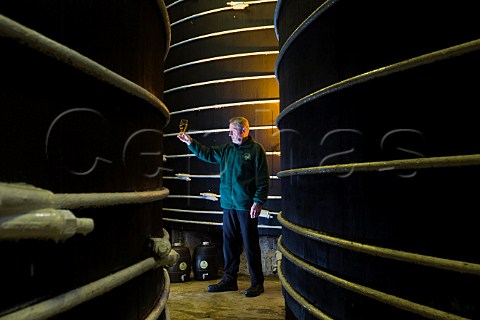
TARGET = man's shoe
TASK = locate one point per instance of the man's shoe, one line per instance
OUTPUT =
(254, 291)
(223, 286)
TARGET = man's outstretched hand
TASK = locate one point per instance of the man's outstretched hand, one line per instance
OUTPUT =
(182, 136)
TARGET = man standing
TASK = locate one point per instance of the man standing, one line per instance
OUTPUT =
(244, 186)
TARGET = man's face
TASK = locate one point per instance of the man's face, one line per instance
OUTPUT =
(235, 134)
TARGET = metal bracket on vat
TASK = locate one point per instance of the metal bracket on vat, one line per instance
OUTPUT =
(48, 224)
(163, 250)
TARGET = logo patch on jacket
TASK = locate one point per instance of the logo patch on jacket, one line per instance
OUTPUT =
(247, 156)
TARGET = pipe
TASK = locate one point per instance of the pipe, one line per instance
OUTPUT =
(75, 297)
(312, 17)
(218, 130)
(276, 15)
(421, 60)
(36, 41)
(162, 302)
(226, 105)
(297, 297)
(200, 14)
(417, 163)
(219, 224)
(187, 176)
(383, 297)
(192, 211)
(166, 23)
(232, 5)
(45, 224)
(217, 81)
(188, 197)
(264, 213)
(217, 58)
(167, 313)
(221, 33)
(204, 195)
(440, 263)
(210, 196)
(174, 3)
(16, 197)
(188, 155)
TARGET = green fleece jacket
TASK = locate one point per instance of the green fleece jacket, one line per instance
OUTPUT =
(244, 176)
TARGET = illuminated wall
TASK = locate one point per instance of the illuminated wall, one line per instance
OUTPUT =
(220, 64)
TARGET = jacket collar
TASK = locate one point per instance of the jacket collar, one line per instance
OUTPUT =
(244, 145)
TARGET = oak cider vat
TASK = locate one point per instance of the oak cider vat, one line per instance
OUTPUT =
(363, 235)
(83, 82)
(205, 261)
(180, 272)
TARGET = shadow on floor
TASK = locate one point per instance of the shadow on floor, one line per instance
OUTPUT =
(191, 300)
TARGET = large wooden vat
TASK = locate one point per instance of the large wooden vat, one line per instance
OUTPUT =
(379, 156)
(82, 121)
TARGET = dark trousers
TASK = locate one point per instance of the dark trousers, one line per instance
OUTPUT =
(238, 225)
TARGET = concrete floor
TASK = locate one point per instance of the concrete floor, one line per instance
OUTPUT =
(191, 300)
